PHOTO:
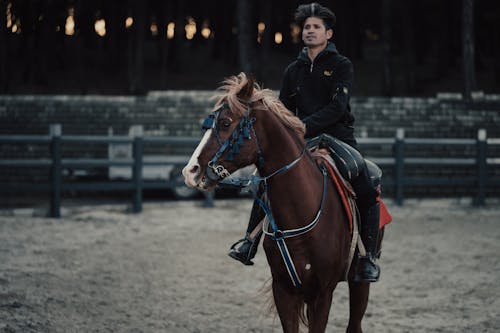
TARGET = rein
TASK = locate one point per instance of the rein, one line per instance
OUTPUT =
(243, 182)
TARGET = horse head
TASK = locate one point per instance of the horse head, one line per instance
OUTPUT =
(230, 141)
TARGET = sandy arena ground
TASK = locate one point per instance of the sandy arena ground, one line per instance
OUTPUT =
(100, 269)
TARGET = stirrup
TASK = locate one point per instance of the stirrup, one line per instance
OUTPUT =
(243, 257)
(233, 247)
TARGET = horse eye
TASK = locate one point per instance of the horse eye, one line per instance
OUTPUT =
(226, 123)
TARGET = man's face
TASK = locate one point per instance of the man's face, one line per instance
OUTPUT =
(314, 32)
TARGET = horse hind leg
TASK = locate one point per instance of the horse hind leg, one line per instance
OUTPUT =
(358, 301)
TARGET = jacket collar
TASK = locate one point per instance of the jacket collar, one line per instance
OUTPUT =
(330, 48)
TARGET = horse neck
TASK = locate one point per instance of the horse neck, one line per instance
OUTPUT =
(279, 144)
(294, 194)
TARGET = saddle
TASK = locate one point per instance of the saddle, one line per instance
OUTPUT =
(346, 164)
(348, 160)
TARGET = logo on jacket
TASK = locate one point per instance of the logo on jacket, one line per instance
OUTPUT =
(327, 73)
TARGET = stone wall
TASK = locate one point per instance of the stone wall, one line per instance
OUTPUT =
(174, 113)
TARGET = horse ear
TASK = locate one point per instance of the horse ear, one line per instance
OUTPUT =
(247, 90)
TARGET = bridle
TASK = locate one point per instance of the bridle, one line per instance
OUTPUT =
(244, 131)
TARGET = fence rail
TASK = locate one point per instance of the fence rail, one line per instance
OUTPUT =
(399, 181)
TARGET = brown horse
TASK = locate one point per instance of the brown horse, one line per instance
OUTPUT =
(251, 126)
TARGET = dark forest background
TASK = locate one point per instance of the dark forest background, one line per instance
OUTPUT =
(399, 48)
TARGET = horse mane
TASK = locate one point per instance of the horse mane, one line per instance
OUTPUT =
(232, 86)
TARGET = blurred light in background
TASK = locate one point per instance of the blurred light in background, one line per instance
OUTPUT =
(128, 22)
(205, 30)
(154, 29)
(13, 23)
(16, 27)
(190, 28)
(171, 30)
(69, 28)
(295, 32)
(9, 15)
(278, 38)
(260, 31)
(100, 27)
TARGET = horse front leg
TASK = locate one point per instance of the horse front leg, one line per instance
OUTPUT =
(288, 306)
(318, 311)
(358, 301)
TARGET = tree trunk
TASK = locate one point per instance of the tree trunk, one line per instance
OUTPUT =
(246, 38)
(468, 48)
(162, 20)
(409, 45)
(386, 45)
(136, 46)
(3, 50)
(178, 43)
(77, 52)
(265, 43)
(445, 54)
(224, 45)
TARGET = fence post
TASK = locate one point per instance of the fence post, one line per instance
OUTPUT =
(55, 132)
(137, 152)
(399, 165)
(482, 167)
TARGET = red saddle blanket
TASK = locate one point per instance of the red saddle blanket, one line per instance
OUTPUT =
(346, 192)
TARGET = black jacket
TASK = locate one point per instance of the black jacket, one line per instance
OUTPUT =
(318, 93)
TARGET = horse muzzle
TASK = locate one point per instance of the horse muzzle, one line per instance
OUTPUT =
(192, 175)
(205, 180)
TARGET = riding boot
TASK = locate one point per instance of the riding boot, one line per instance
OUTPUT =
(368, 270)
(245, 249)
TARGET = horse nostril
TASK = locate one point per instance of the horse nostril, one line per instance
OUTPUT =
(194, 169)
(190, 170)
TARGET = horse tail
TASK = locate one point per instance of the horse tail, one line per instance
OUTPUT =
(304, 314)
(266, 291)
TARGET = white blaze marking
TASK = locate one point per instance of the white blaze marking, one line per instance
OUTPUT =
(308, 266)
(189, 177)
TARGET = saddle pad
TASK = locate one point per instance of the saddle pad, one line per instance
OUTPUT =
(385, 216)
(344, 190)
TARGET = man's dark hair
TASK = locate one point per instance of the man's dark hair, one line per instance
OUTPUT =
(315, 10)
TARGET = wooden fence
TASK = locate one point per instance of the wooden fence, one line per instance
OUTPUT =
(483, 178)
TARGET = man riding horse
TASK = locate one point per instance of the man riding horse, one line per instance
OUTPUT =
(317, 87)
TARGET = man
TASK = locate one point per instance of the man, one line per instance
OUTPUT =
(316, 87)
